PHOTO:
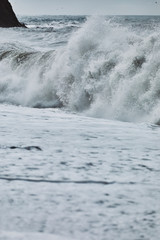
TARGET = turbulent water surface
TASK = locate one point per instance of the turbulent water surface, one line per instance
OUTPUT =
(79, 128)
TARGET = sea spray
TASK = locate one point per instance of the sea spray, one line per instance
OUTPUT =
(106, 69)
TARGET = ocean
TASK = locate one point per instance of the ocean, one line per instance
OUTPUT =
(79, 128)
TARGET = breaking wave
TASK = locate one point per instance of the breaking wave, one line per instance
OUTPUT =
(105, 70)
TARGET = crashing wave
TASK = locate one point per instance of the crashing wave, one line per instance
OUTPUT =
(105, 70)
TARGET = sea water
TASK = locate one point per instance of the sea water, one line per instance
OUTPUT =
(79, 128)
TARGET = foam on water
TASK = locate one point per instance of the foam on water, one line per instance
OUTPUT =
(104, 70)
(77, 177)
(31, 236)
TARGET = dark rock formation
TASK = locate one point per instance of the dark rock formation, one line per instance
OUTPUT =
(7, 15)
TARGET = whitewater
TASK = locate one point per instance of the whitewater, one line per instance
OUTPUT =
(79, 128)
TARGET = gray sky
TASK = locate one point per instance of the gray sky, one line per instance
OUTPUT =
(86, 7)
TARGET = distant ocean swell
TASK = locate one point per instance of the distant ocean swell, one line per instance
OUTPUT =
(105, 70)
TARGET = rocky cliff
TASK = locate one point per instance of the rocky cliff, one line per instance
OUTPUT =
(7, 15)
